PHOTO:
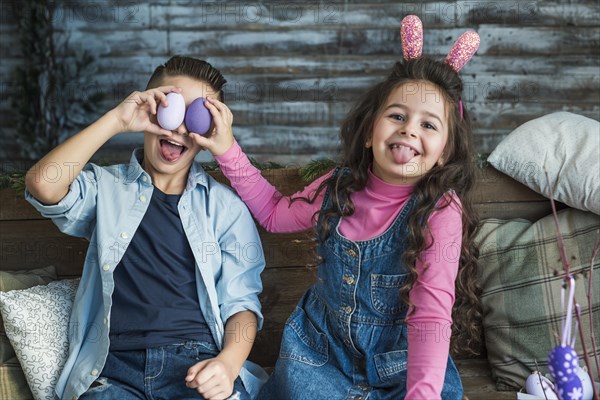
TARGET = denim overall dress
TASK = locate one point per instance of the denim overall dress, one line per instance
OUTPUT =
(346, 338)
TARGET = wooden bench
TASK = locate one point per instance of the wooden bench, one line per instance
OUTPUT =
(29, 241)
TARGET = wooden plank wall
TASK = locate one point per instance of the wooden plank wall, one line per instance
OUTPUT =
(28, 240)
(295, 67)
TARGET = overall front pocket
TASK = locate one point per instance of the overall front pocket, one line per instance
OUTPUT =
(302, 341)
(390, 365)
(385, 293)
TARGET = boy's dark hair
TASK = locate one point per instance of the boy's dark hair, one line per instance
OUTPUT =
(192, 68)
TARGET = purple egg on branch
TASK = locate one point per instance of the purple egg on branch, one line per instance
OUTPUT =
(563, 363)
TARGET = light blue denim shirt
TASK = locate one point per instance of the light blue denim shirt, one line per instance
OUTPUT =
(106, 205)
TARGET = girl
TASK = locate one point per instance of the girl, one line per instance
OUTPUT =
(394, 227)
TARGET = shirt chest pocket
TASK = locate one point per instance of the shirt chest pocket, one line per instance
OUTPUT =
(385, 293)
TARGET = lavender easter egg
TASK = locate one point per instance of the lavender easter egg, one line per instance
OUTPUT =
(540, 386)
(571, 389)
(198, 118)
(563, 363)
(586, 384)
(172, 116)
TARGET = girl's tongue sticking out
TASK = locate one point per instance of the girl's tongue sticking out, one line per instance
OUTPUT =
(170, 150)
(402, 154)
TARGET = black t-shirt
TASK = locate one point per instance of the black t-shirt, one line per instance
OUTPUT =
(155, 300)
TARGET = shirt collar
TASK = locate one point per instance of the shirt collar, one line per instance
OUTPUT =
(196, 176)
(388, 190)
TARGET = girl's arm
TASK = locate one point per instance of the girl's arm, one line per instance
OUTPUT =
(68, 159)
(433, 296)
(273, 211)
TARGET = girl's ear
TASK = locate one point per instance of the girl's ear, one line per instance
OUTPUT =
(442, 160)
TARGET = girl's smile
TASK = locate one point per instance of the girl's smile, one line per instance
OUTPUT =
(410, 133)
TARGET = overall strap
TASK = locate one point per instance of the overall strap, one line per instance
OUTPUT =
(329, 192)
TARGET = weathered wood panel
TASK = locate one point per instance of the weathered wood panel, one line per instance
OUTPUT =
(492, 186)
(27, 240)
(295, 67)
(281, 290)
(30, 244)
(477, 381)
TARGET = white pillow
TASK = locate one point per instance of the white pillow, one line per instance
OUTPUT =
(37, 322)
(567, 145)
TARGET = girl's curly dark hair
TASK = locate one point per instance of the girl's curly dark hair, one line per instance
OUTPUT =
(457, 174)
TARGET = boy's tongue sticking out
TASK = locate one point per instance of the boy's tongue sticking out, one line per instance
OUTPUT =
(171, 151)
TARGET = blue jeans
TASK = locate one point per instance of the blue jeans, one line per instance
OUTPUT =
(155, 373)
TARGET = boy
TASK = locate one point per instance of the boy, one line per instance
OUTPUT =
(168, 302)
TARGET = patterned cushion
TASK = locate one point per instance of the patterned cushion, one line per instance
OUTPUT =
(12, 380)
(521, 294)
(36, 322)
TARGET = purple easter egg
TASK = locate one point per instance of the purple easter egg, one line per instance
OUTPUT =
(572, 389)
(197, 117)
(563, 363)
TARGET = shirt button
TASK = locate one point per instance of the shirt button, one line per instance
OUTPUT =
(94, 372)
(124, 235)
(351, 253)
(144, 178)
(347, 309)
(105, 321)
(106, 267)
(143, 198)
(349, 279)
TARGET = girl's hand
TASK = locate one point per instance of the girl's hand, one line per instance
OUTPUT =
(221, 138)
(211, 378)
(138, 111)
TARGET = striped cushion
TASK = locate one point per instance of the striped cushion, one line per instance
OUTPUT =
(521, 294)
(13, 384)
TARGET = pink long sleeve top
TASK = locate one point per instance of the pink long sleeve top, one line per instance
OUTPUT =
(376, 207)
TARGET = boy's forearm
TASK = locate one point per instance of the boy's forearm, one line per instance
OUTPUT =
(240, 332)
(68, 159)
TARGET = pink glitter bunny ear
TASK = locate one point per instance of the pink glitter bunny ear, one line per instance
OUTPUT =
(411, 36)
(462, 50)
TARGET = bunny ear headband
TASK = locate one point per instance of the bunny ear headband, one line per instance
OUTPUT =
(411, 36)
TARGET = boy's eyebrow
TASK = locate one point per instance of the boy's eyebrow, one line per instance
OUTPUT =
(428, 113)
